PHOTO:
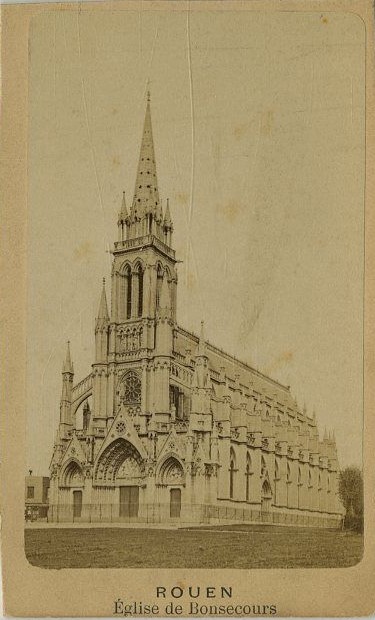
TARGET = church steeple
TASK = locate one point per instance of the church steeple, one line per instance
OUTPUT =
(146, 213)
(146, 193)
(143, 252)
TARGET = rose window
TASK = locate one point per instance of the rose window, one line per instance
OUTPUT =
(130, 388)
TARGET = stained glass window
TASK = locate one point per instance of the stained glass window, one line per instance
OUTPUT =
(130, 389)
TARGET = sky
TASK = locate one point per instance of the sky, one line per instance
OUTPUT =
(258, 122)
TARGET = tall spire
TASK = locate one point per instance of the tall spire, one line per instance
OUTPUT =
(103, 308)
(146, 193)
(68, 365)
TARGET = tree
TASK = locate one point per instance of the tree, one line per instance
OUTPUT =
(351, 495)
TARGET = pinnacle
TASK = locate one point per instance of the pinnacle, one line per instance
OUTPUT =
(124, 212)
(68, 365)
(103, 308)
(167, 216)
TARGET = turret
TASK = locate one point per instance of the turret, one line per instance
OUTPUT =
(66, 394)
(101, 329)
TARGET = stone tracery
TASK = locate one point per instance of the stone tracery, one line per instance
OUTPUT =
(129, 388)
(119, 460)
(171, 472)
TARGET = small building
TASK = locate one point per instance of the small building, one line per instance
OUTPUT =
(36, 497)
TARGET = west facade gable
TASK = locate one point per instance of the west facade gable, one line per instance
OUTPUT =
(122, 427)
(75, 451)
(172, 445)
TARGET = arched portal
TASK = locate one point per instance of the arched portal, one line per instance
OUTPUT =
(120, 462)
(171, 472)
(72, 475)
(121, 466)
(171, 479)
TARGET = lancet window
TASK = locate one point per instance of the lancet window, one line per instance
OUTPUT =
(159, 280)
(288, 473)
(177, 401)
(232, 472)
(128, 277)
(140, 291)
(248, 474)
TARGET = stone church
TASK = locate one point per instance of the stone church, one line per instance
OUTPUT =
(167, 427)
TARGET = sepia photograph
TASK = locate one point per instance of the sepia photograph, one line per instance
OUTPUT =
(195, 270)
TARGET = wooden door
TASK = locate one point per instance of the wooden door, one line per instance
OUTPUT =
(175, 504)
(77, 504)
(129, 501)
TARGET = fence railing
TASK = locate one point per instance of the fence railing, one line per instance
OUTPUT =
(186, 513)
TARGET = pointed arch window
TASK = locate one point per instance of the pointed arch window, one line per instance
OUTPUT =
(159, 280)
(128, 278)
(277, 470)
(288, 473)
(140, 290)
(232, 472)
(248, 474)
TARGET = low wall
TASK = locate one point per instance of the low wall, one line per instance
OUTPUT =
(190, 513)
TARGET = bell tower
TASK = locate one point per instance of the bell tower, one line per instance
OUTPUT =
(144, 282)
(143, 254)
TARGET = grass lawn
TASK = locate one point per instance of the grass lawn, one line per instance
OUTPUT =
(231, 546)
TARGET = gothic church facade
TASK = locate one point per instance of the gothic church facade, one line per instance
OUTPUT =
(167, 427)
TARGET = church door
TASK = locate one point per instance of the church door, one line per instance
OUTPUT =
(129, 501)
(77, 504)
(175, 505)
